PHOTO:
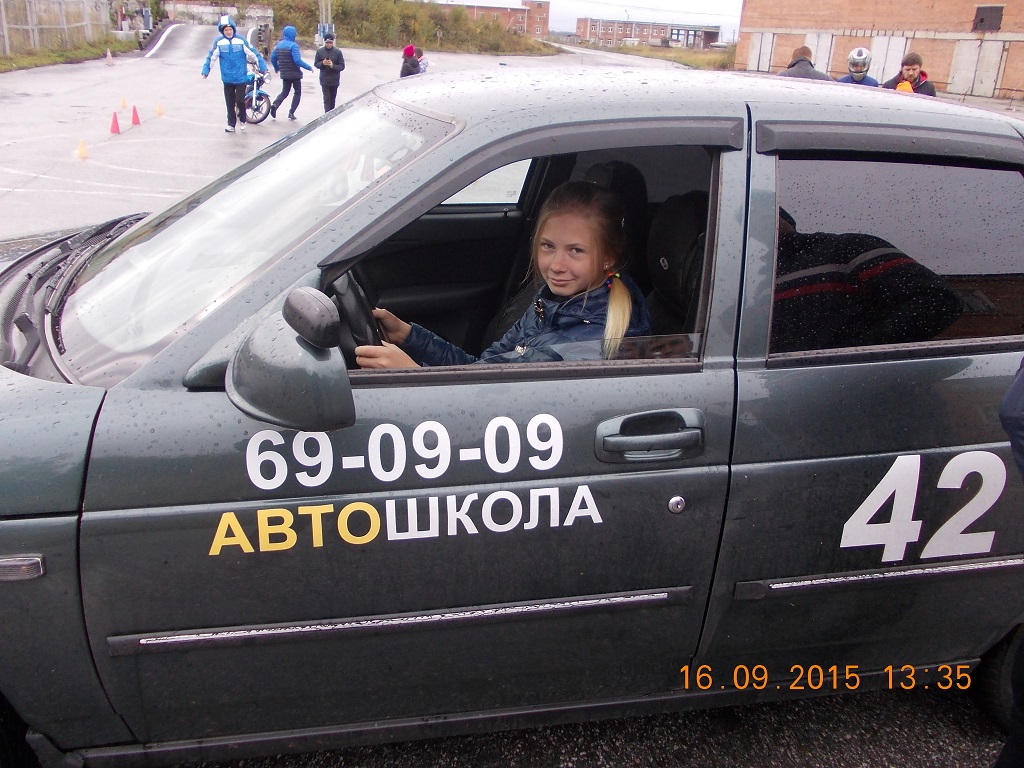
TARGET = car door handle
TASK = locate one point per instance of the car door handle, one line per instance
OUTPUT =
(662, 435)
(687, 438)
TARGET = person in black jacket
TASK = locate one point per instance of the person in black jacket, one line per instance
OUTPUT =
(1011, 414)
(911, 72)
(330, 62)
(802, 66)
(410, 63)
(839, 290)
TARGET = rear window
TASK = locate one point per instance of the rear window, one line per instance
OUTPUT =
(876, 253)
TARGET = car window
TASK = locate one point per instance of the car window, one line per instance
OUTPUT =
(501, 186)
(874, 253)
(464, 276)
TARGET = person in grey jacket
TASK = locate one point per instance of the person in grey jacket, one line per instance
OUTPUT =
(802, 66)
(330, 62)
(287, 59)
(583, 311)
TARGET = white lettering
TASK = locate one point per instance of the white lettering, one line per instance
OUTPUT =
(536, 494)
(397, 452)
(517, 511)
(412, 517)
(460, 514)
(583, 505)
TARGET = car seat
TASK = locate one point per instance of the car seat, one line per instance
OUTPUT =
(675, 262)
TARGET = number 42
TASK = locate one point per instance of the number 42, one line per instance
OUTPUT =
(901, 483)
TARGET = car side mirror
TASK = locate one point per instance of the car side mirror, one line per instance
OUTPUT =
(290, 372)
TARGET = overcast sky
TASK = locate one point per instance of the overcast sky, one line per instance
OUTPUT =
(723, 13)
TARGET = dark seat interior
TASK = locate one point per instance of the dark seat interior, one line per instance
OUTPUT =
(629, 183)
(675, 262)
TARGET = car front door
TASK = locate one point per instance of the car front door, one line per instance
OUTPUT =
(487, 538)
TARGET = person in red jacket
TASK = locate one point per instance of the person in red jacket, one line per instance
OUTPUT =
(912, 73)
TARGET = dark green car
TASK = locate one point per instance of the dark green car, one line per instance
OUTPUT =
(220, 537)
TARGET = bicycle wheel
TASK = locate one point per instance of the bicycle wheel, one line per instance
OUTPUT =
(257, 112)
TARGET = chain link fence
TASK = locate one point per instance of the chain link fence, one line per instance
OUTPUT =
(27, 25)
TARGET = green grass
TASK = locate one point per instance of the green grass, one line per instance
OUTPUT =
(45, 57)
(698, 59)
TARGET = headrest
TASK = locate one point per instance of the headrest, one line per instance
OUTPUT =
(626, 180)
(675, 241)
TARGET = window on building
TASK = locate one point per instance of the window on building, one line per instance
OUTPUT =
(848, 278)
(987, 18)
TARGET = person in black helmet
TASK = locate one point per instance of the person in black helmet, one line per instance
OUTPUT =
(857, 64)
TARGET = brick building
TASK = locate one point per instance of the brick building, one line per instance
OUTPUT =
(530, 17)
(967, 48)
(612, 32)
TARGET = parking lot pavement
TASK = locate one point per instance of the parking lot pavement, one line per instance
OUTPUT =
(62, 166)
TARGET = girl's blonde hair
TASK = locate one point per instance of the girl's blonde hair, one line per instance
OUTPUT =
(605, 211)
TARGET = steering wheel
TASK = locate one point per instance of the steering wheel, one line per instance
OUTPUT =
(359, 325)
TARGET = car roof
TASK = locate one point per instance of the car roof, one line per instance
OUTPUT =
(523, 98)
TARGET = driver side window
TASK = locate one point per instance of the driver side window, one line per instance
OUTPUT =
(482, 273)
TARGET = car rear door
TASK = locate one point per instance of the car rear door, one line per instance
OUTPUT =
(874, 509)
(502, 539)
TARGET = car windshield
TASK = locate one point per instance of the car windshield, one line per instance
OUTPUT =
(131, 299)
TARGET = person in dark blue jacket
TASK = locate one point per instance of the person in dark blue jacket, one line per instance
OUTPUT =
(583, 311)
(235, 55)
(1011, 414)
(287, 59)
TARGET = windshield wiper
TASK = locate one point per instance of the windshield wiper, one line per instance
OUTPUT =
(41, 266)
(82, 251)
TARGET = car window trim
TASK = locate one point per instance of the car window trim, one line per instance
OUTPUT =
(904, 351)
(487, 373)
(776, 137)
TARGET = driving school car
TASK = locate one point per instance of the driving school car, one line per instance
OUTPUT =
(220, 537)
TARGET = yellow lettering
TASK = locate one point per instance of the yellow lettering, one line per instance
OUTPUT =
(371, 512)
(316, 520)
(268, 529)
(229, 534)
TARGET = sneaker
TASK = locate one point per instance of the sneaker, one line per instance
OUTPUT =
(229, 129)
(241, 127)
(292, 117)
(273, 111)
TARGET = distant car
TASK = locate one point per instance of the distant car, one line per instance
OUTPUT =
(219, 538)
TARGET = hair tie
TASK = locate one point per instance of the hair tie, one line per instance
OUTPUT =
(611, 276)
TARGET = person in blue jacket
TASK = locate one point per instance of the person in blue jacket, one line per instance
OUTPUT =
(584, 309)
(287, 59)
(235, 55)
(1011, 414)
(857, 64)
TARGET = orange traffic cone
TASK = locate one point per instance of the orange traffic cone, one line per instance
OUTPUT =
(135, 116)
(159, 109)
(114, 127)
(110, 59)
(82, 151)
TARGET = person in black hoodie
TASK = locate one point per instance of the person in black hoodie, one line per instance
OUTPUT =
(912, 73)
(330, 62)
